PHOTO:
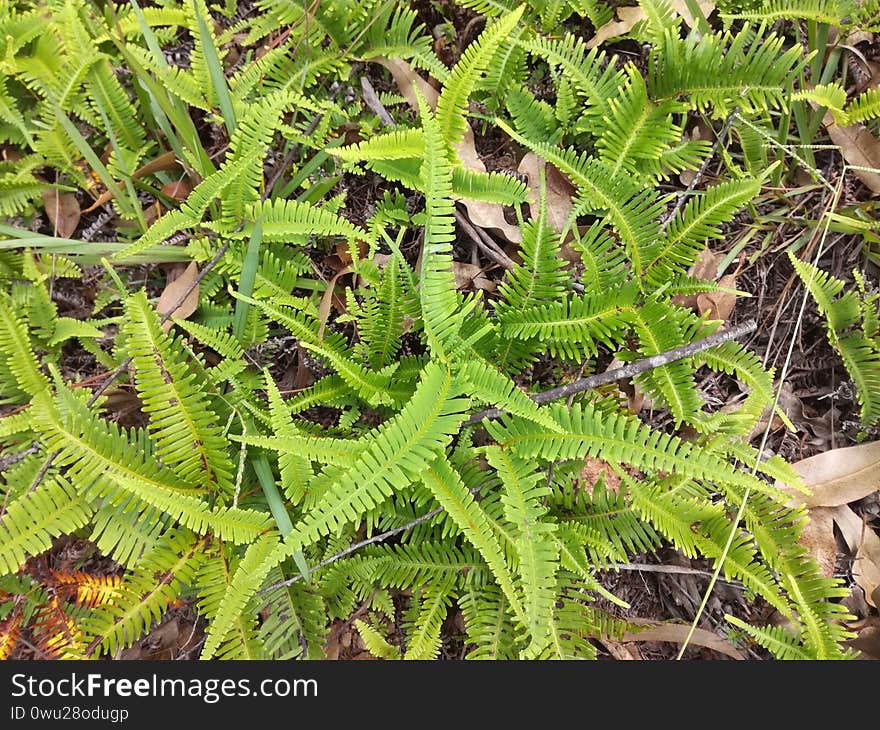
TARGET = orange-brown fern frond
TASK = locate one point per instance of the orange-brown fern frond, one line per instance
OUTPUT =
(55, 632)
(87, 590)
(10, 631)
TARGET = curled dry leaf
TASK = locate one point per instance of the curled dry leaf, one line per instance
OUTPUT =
(860, 148)
(480, 213)
(677, 633)
(175, 289)
(328, 298)
(840, 476)
(63, 211)
(864, 543)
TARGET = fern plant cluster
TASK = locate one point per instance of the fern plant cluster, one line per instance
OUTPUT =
(234, 495)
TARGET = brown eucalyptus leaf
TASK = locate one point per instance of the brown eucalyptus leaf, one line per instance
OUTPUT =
(677, 633)
(405, 77)
(864, 543)
(625, 21)
(165, 161)
(818, 538)
(470, 276)
(707, 7)
(860, 148)
(63, 211)
(482, 214)
(174, 290)
(841, 476)
(179, 189)
(560, 190)
(328, 298)
(718, 304)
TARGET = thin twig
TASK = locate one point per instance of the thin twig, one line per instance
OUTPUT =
(375, 104)
(627, 371)
(484, 243)
(357, 546)
(683, 196)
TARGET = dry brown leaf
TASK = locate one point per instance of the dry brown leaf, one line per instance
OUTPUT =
(677, 633)
(625, 21)
(63, 211)
(818, 538)
(864, 543)
(718, 304)
(841, 476)
(560, 190)
(628, 17)
(867, 640)
(595, 469)
(622, 652)
(165, 161)
(174, 290)
(681, 7)
(859, 147)
(179, 190)
(471, 275)
(327, 299)
(482, 214)
(404, 76)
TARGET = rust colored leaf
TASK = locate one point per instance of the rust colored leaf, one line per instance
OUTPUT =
(174, 290)
(179, 190)
(165, 161)
(327, 300)
(63, 211)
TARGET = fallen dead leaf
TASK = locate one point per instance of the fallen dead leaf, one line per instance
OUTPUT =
(860, 148)
(179, 190)
(560, 190)
(165, 161)
(327, 300)
(626, 20)
(864, 543)
(867, 641)
(718, 304)
(480, 213)
(841, 476)
(622, 652)
(677, 633)
(469, 276)
(818, 538)
(707, 7)
(595, 469)
(63, 211)
(174, 290)
(628, 17)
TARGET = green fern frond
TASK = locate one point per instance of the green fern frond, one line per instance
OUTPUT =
(182, 423)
